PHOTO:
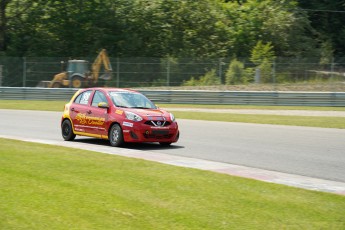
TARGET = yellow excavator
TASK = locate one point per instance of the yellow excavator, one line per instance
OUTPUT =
(78, 74)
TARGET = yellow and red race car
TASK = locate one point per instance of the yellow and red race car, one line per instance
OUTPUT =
(118, 115)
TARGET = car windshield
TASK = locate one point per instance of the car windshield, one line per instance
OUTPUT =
(131, 100)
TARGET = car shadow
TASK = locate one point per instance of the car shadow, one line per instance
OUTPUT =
(151, 146)
(135, 146)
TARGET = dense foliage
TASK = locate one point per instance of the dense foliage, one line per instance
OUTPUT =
(161, 28)
(236, 37)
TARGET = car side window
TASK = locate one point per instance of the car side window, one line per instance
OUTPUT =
(83, 98)
(97, 98)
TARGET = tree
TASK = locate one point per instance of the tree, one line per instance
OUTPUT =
(3, 22)
(263, 57)
(327, 53)
(65, 28)
(271, 21)
(9, 10)
(199, 29)
(328, 19)
(160, 28)
(179, 29)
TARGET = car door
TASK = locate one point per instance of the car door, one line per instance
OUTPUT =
(98, 116)
(79, 111)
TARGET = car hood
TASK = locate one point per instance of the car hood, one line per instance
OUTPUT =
(150, 112)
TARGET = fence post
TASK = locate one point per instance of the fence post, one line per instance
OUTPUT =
(257, 76)
(117, 72)
(221, 63)
(274, 75)
(274, 72)
(0, 75)
(332, 69)
(332, 80)
(168, 71)
(24, 71)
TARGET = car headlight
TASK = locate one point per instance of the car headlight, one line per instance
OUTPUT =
(133, 117)
(172, 117)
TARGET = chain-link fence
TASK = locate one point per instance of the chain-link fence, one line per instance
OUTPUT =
(305, 74)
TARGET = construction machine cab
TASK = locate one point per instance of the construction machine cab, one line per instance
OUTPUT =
(77, 66)
(78, 72)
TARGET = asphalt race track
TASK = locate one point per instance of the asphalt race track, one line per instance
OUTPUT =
(310, 152)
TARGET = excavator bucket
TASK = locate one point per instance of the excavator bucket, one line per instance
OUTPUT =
(105, 76)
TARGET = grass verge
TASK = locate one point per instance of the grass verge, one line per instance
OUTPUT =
(33, 105)
(323, 122)
(50, 187)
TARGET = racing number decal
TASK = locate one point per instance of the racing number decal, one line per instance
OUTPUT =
(85, 98)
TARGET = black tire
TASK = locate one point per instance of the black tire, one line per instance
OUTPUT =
(116, 136)
(77, 82)
(67, 131)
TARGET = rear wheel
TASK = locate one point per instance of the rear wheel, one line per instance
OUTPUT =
(116, 136)
(77, 82)
(67, 131)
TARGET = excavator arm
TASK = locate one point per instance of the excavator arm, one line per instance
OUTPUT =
(102, 58)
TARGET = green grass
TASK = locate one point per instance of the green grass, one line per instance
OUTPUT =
(323, 122)
(33, 105)
(50, 187)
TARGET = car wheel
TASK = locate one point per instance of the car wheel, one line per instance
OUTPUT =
(165, 143)
(116, 136)
(67, 131)
(77, 82)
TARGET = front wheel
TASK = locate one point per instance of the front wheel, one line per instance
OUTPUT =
(67, 131)
(116, 136)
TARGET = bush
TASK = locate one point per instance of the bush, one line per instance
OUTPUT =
(210, 78)
(236, 73)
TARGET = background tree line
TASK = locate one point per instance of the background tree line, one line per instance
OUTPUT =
(173, 29)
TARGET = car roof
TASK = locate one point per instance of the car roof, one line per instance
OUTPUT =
(106, 89)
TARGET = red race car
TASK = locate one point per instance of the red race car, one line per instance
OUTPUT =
(118, 115)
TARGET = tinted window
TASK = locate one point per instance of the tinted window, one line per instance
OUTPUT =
(97, 98)
(83, 98)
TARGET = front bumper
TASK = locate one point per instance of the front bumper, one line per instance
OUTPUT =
(141, 132)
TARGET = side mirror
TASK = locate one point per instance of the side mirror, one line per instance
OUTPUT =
(103, 105)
